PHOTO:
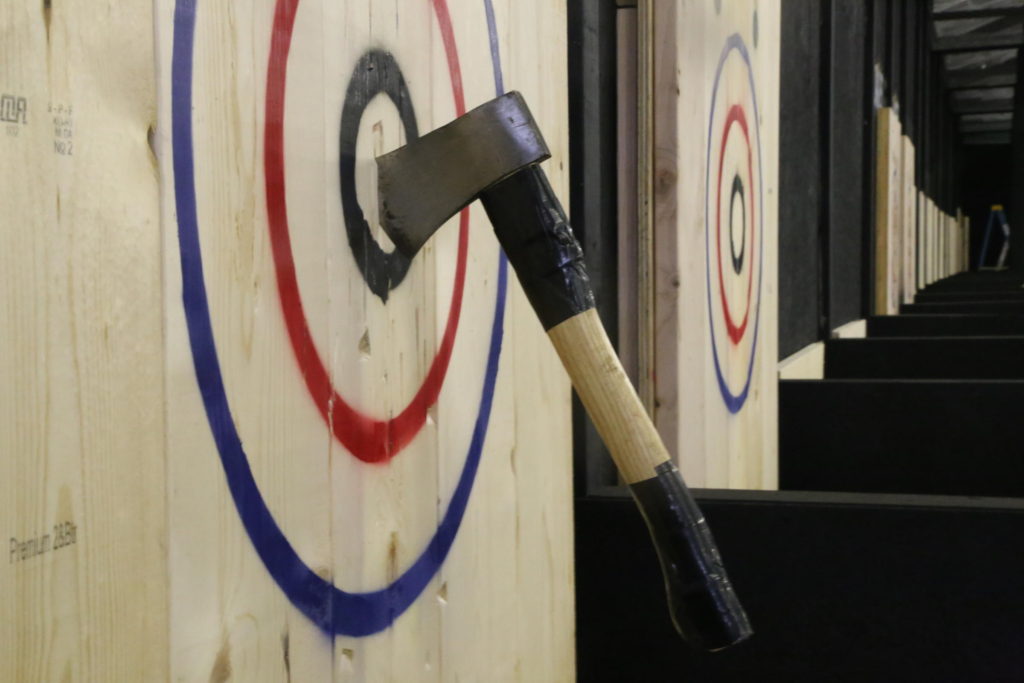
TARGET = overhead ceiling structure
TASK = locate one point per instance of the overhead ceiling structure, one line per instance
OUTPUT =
(979, 42)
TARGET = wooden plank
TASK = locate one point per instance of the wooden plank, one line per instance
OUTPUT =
(646, 156)
(482, 595)
(716, 87)
(81, 419)
(908, 237)
(888, 213)
(922, 239)
(807, 363)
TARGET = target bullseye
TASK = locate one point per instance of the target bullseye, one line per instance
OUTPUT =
(734, 192)
(375, 73)
(333, 610)
(367, 438)
(735, 198)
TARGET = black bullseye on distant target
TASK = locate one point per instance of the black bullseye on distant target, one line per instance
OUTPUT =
(376, 72)
(737, 197)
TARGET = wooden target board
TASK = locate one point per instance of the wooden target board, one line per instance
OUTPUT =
(908, 238)
(83, 585)
(716, 122)
(377, 447)
(244, 440)
(889, 218)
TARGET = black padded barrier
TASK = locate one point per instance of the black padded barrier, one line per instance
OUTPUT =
(985, 307)
(902, 436)
(839, 587)
(948, 325)
(926, 358)
(940, 297)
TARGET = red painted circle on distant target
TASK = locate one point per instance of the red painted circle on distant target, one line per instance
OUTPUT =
(735, 115)
(367, 438)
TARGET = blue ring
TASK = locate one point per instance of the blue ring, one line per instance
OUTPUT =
(334, 611)
(733, 402)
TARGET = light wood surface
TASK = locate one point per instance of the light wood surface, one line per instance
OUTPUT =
(128, 559)
(608, 396)
(646, 160)
(908, 239)
(716, 441)
(501, 606)
(888, 212)
(83, 587)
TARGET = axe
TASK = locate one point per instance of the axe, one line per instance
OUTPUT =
(492, 153)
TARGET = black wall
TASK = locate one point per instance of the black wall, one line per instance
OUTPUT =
(802, 171)
(849, 160)
(1016, 207)
(828, 92)
(986, 181)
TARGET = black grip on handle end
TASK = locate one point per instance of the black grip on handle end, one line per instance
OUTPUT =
(702, 603)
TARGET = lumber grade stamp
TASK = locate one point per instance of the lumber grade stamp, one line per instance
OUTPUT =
(62, 536)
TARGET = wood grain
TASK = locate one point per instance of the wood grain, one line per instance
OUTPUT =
(81, 420)
(888, 212)
(712, 445)
(610, 399)
(500, 607)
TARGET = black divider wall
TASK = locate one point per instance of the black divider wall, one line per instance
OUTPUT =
(928, 437)
(986, 306)
(929, 358)
(939, 296)
(987, 173)
(801, 169)
(592, 197)
(850, 113)
(838, 588)
(1016, 206)
(951, 325)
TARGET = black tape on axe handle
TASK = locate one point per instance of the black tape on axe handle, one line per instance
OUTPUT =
(535, 234)
(702, 603)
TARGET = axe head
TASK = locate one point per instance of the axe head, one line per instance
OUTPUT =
(424, 183)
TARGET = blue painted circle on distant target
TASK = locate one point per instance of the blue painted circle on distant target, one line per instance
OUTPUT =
(734, 402)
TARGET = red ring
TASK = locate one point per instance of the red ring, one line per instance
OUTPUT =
(365, 437)
(736, 332)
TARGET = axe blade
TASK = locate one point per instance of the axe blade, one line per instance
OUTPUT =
(427, 181)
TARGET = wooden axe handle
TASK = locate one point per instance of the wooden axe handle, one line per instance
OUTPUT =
(607, 394)
(536, 236)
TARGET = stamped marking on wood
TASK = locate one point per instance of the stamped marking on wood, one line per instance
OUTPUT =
(63, 535)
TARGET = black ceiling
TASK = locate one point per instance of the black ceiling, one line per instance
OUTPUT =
(979, 41)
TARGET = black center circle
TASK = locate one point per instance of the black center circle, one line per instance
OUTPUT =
(376, 72)
(737, 259)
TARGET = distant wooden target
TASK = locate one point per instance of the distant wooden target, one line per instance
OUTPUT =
(734, 223)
